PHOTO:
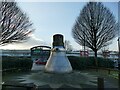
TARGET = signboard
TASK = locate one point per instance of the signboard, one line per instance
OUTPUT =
(84, 53)
(40, 54)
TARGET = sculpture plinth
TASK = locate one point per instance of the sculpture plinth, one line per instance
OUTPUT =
(58, 61)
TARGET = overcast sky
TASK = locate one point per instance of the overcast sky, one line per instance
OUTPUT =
(50, 18)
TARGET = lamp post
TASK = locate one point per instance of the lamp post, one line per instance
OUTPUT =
(119, 60)
(119, 43)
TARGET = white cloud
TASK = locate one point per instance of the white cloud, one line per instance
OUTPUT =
(32, 41)
(66, 0)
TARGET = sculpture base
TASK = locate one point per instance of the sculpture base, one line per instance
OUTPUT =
(37, 67)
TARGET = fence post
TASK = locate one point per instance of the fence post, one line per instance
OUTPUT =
(100, 83)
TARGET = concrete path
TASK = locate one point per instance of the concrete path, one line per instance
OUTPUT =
(110, 83)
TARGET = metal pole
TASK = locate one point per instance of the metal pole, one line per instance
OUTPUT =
(84, 43)
(119, 43)
(119, 62)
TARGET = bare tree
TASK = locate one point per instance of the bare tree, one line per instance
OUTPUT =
(14, 24)
(68, 46)
(95, 26)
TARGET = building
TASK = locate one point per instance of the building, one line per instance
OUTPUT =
(15, 53)
(113, 55)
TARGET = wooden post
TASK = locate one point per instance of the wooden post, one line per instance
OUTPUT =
(100, 83)
(96, 63)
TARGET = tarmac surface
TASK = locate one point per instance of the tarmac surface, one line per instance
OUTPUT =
(78, 80)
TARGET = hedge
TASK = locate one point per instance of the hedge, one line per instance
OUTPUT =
(79, 63)
(23, 63)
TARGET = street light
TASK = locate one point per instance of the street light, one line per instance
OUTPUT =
(119, 43)
(119, 51)
(119, 60)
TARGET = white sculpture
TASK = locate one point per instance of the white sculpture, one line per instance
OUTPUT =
(58, 61)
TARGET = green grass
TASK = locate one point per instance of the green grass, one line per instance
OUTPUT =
(104, 72)
(114, 74)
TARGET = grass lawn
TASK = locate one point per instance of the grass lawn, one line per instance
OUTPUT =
(110, 80)
(112, 74)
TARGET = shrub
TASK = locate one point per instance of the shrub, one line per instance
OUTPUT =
(79, 63)
(23, 63)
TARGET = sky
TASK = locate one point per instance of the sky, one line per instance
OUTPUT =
(51, 18)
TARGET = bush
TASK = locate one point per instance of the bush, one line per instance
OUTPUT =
(23, 63)
(105, 63)
(79, 63)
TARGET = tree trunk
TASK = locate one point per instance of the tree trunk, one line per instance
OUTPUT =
(96, 62)
(95, 53)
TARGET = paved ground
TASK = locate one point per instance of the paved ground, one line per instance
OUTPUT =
(109, 83)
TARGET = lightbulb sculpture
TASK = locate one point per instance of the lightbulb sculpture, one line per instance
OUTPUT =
(58, 61)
